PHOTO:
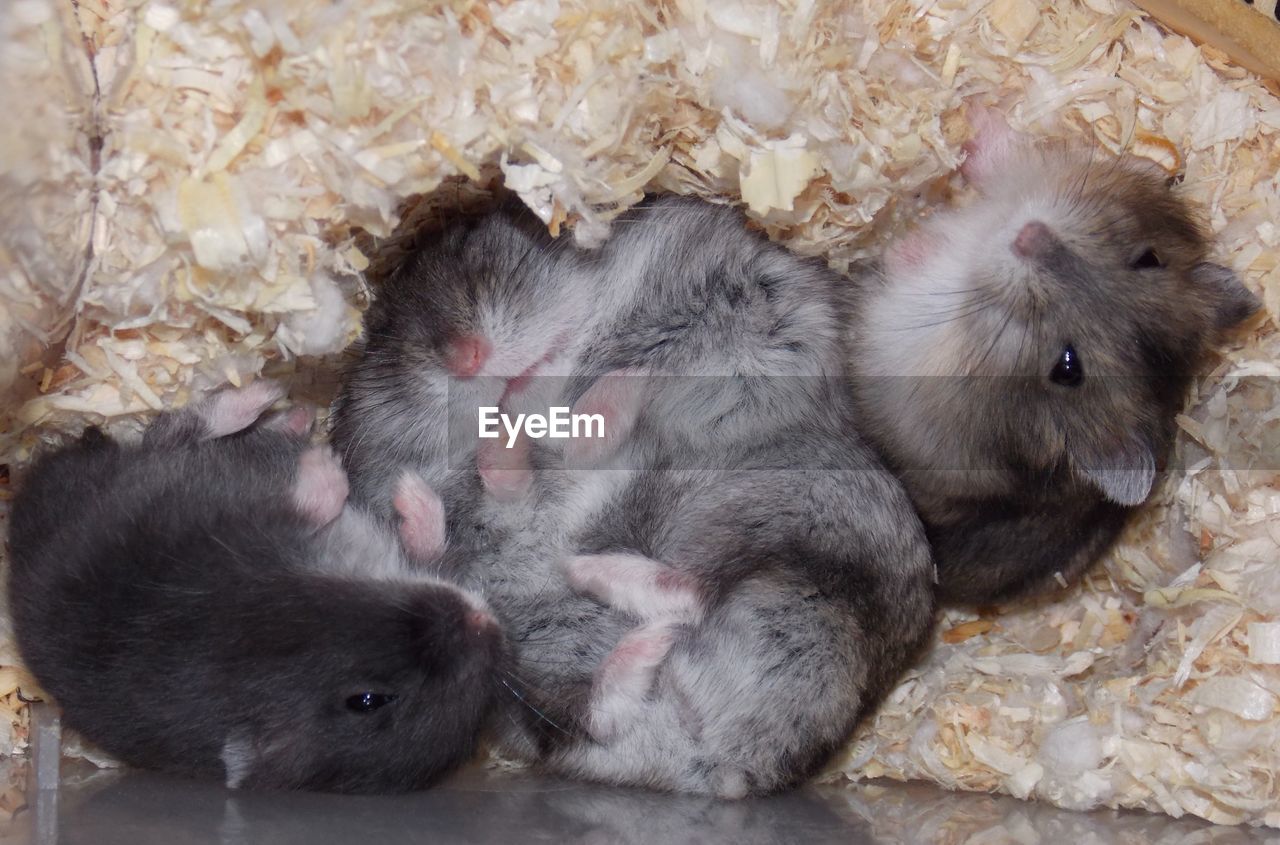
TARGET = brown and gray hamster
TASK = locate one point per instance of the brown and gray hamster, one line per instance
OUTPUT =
(206, 603)
(713, 603)
(1019, 362)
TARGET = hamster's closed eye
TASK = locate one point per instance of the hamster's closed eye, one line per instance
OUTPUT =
(1068, 370)
(1148, 259)
(367, 702)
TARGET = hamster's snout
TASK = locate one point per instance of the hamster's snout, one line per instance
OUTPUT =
(480, 623)
(466, 355)
(1034, 240)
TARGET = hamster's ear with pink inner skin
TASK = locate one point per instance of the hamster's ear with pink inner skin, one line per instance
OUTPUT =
(1124, 473)
(993, 142)
(1233, 302)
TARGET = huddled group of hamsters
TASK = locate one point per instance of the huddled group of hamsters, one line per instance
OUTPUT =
(794, 469)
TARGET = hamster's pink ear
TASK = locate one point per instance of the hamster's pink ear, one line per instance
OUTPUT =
(1125, 475)
(992, 143)
(1233, 302)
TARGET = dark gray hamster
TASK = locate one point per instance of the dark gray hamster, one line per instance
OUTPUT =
(205, 603)
(713, 606)
(1020, 361)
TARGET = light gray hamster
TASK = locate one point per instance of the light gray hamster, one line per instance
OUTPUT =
(204, 602)
(709, 604)
(1019, 361)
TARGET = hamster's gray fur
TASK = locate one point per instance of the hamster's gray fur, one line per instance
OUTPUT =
(203, 603)
(1019, 362)
(799, 575)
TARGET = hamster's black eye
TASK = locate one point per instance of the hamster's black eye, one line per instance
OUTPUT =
(1068, 371)
(1147, 260)
(367, 702)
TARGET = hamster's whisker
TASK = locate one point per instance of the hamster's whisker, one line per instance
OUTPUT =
(945, 319)
(539, 662)
(960, 292)
(515, 272)
(1084, 175)
(542, 716)
(968, 310)
(1026, 330)
(234, 554)
(950, 308)
(995, 339)
(523, 681)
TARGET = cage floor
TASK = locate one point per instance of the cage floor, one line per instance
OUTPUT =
(70, 802)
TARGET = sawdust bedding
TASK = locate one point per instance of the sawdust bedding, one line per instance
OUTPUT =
(190, 195)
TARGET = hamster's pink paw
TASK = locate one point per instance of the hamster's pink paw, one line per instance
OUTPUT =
(506, 472)
(320, 491)
(614, 398)
(296, 421)
(422, 527)
(637, 585)
(625, 678)
(229, 411)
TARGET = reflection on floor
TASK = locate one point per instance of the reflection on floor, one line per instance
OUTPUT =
(90, 806)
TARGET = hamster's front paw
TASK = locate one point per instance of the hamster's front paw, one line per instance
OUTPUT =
(422, 526)
(505, 471)
(320, 491)
(229, 411)
(615, 399)
(637, 585)
(296, 421)
(625, 677)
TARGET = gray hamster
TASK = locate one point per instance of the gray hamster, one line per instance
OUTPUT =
(1019, 362)
(711, 603)
(204, 602)
(524, 302)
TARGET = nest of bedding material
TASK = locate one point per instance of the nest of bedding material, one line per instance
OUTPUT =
(190, 195)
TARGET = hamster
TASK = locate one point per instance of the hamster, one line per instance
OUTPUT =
(204, 602)
(711, 602)
(525, 299)
(495, 312)
(1019, 362)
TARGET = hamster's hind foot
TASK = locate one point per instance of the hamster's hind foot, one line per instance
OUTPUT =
(625, 677)
(422, 525)
(637, 585)
(505, 471)
(230, 411)
(296, 421)
(614, 399)
(320, 491)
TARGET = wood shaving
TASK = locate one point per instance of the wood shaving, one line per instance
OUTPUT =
(192, 195)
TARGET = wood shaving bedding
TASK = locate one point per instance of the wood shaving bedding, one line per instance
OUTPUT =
(192, 194)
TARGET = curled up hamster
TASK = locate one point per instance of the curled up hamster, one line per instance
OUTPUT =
(713, 604)
(206, 603)
(1020, 361)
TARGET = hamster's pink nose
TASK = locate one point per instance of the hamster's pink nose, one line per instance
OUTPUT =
(1034, 241)
(466, 355)
(480, 622)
